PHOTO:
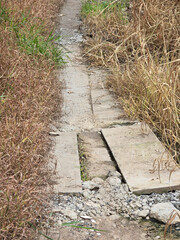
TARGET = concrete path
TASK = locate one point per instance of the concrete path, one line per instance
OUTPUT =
(88, 107)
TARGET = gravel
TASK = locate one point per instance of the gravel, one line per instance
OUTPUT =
(110, 197)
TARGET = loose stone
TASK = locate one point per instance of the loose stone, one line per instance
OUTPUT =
(163, 212)
(112, 198)
(69, 213)
(143, 213)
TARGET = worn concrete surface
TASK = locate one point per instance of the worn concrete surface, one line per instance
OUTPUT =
(106, 109)
(66, 164)
(98, 161)
(70, 22)
(76, 112)
(142, 159)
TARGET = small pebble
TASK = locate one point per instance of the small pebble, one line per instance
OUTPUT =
(93, 221)
(86, 217)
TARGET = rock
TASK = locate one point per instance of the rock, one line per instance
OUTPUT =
(97, 181)
(86, 194)
(138, 204)
(126, 188)
(143, 213)
(90, 185)
(102, 192)
(59, 222)
(146, 207)
(86, 217)
(163, 211)
(113, 204)
(132, 205)
(114, 181)
(56, 209)
(69, 213)
(54, 133)
(110, 200)
(114, 174)
(80, 206)
(93, 221)
(98, 196)
(94, 206)
(136, 213)
(87, 185)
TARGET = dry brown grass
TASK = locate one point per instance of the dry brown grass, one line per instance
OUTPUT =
(174, 218)
(28, 91)
(141, 47)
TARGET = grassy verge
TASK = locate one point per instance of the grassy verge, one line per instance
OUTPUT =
(139, 42)
(28, 97)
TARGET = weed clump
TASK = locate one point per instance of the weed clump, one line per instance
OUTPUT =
(28, 97)
(139, 42)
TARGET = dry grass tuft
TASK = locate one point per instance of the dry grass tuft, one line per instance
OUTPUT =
(28, 96)
(174, 218)
(140, 41)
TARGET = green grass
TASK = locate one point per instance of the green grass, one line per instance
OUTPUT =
(30, 37)
(93, 7)
(77, 224)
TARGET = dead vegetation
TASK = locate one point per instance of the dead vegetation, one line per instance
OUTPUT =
(139, 41)
(28, 96)
(174, 218)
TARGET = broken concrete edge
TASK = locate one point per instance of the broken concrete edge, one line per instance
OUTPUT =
(121, 122)
(112, 155)
(154, 190)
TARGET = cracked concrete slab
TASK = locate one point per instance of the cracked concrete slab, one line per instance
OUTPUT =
(142, 159)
